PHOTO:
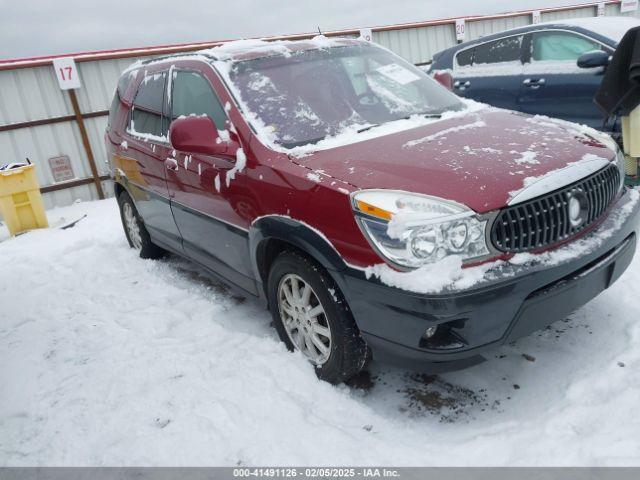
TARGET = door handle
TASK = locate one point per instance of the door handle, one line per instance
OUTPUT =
(534, 83)
(171, 164)
(461, 85)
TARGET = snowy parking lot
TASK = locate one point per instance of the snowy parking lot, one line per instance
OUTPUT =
(107, 359)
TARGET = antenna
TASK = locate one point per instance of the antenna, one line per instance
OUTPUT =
(319, 31)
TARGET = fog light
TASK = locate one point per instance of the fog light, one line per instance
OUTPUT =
(430, 332)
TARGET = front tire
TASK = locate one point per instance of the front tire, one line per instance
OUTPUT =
(134, 229)
(311, 315)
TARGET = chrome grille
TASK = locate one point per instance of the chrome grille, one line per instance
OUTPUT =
(545, 220)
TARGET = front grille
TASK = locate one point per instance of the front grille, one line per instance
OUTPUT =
(545, 220)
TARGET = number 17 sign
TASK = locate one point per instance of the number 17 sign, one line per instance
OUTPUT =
(66, 73)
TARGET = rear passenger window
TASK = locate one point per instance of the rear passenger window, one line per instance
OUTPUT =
(146, 115)
(499, 51)
(191, 93)
(465, 57)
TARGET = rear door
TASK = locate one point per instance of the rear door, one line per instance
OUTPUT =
(206, 202)
(490, 72)
(143, 157)
(553, 83)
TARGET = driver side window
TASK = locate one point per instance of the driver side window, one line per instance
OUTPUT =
(191, 94)
(560, 46)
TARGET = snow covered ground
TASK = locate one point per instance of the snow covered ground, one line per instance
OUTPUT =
(107, 359)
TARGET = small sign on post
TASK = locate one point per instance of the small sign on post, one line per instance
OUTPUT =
(61, 169)
(66, 73)
(366, 34)
(628, 6)
(460, 29)
(601, 9)
(535, 17)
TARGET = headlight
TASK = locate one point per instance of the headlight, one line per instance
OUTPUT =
(411, 230)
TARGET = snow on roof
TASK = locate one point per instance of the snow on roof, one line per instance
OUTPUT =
(610, 27)
(249, 49)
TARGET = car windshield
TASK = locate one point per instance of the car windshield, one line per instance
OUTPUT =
(306, 96)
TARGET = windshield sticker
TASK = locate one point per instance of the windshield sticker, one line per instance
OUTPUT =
(398, 73)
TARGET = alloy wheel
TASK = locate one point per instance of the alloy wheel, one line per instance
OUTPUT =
(304, 318)
(133, 228)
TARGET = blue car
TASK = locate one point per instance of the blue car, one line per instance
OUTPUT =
(549, 69)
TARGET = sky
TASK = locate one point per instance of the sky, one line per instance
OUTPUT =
(42, 27)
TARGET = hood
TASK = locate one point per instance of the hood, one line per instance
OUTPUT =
(480, 160)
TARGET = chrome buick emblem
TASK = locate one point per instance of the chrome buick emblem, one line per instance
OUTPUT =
(578, 205)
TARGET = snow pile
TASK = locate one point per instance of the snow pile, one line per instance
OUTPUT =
(241, 162)
(230, 50)
(575, 128)
(110, 360)
(559, 177)
(528, 156)
(448, 274)
(314, 177)
(351, 135)
(433, 277)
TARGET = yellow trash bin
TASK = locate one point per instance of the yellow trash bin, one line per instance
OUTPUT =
(20, 200)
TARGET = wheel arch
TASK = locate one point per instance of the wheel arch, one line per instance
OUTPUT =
(270, 235)
(118, 188)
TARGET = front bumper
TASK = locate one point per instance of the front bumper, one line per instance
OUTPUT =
(521, 300)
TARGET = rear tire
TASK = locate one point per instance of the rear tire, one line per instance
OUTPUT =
(311, 315)
(135, 231)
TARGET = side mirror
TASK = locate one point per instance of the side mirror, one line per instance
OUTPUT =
(198, 134)
(596, 58)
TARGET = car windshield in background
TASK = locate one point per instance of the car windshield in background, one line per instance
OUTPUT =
(306, 96)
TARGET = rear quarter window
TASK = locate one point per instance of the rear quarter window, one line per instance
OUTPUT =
(124, 82)
(465, 57)
(146, 115)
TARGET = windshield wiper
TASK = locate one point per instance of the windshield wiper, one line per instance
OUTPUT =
(368, 127)
(424, 114)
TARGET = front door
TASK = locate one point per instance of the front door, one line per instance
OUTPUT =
(206, 201)
(554, 85)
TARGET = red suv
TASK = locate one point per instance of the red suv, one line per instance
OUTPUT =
(376, 213)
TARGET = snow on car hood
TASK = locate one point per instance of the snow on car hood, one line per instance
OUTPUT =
(481, 159)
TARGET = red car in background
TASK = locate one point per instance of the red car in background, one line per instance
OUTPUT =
(375, 212)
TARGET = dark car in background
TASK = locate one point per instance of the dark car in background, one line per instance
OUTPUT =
(549, 69)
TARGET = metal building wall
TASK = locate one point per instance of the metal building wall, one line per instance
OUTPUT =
(417, 45)
(29, 92)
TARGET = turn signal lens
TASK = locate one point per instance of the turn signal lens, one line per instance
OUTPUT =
(372, 210)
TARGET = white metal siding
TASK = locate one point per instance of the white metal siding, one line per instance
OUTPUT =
(483, 28)
(31, 94)
(417, 45)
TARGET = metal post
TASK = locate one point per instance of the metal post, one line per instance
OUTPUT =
(85, 142)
